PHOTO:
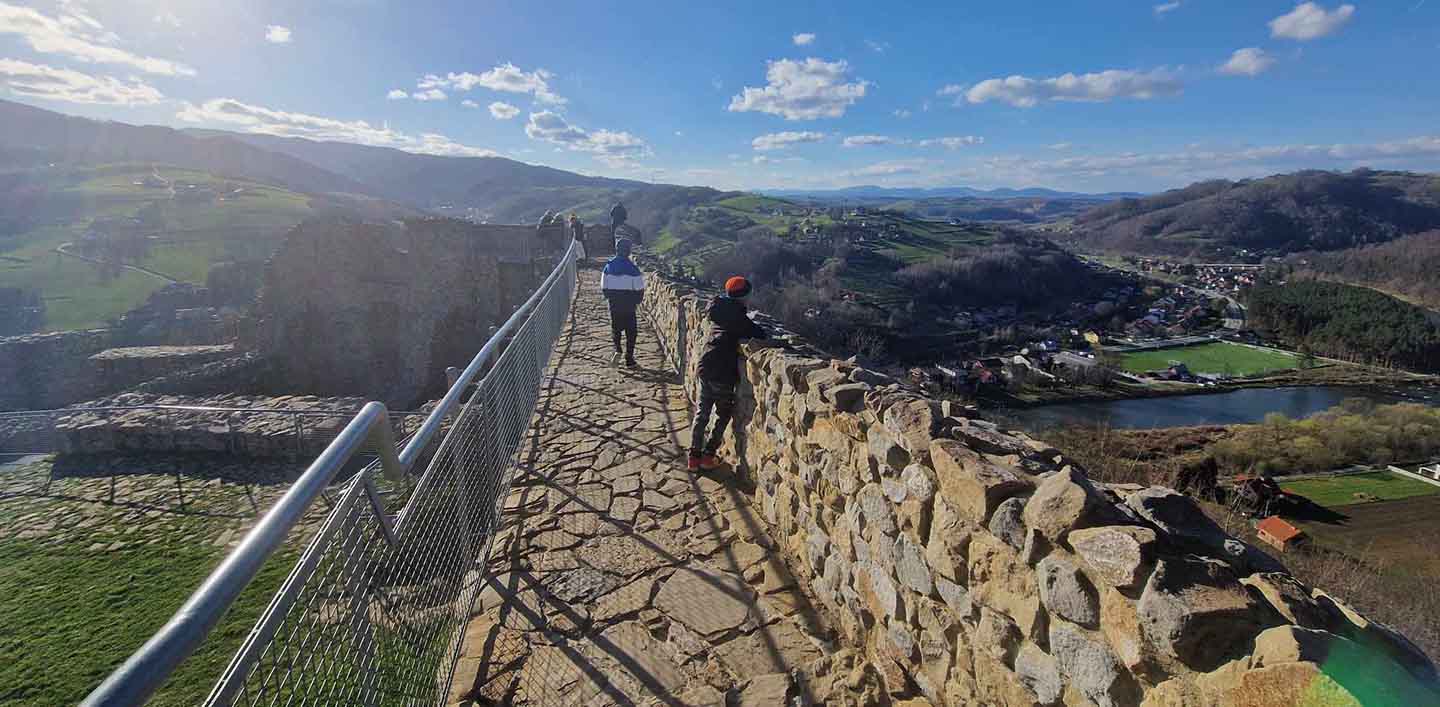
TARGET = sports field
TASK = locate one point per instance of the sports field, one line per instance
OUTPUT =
(1341, 490)
(1218, 358)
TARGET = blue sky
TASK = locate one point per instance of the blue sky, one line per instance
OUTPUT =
(1094, 96)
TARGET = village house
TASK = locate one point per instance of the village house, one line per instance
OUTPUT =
(1281, 535)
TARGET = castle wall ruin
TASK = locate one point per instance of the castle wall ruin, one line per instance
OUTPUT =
(974, 565)
(380, 310)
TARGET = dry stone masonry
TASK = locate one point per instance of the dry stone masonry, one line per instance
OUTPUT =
(973, 565)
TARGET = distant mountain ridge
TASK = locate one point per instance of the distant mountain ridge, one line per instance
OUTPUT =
(1307, 210)
(501, 189)
(877, 192)
(423, 179)
(31, 135)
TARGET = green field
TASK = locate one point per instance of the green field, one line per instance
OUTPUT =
(193, 235)
(1219, 358)
(1340, 491)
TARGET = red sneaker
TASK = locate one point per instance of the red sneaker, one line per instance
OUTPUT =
(694, 463)
(709, 461)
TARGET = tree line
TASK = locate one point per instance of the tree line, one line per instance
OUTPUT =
(1346, 322)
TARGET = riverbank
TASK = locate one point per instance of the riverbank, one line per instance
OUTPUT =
(1333, 375)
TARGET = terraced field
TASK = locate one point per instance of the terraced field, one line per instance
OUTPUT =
(183, 235)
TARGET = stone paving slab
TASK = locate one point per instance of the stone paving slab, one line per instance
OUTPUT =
(620, 577)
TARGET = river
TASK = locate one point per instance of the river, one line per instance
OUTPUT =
(1235, 407)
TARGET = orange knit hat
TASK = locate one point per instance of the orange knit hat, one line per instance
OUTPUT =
(737, 286)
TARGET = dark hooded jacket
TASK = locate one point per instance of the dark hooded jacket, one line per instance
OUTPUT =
(728, 325)
(617, 214)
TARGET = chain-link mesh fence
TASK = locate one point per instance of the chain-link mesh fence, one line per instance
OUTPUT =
(374, 611)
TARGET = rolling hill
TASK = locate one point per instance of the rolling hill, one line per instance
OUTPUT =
(31, 136)
(1309, 210)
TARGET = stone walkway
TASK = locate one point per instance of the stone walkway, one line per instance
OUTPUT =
(620, 577)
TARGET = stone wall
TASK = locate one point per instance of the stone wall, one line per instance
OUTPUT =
(382, 310)
(245, 374)
(121, 368)
(974, 565)
(259, 427)
(42, 371)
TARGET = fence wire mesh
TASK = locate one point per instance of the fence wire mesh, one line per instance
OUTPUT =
(374, 611)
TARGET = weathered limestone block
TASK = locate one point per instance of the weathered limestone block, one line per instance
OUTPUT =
(949, 541)
(1119, 555)
(995, 684)
(1007, 522)
(887, 454)
(981, 437)
(1039, 672)
(1067, 593)
(1183, 522)
(1195, 611)
(913, 422)
(1288, 597)
(997, 635)
(974, 486)
(1064, 502)
(1120, 623)
(1091, 667)
(849, 397)
(911, 567)
(999, 580)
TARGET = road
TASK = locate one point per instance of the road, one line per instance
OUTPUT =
(64, 249)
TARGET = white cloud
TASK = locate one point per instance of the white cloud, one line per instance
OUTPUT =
(887, 169)
(803, 39)
(430, 94)
(953, 143)
(501, 110)
(396, 94)
(506, 78)
(609, 146)
(168, 19)
(80, 37)
(469, 103)
(1194, 164)
(277, 34)
(1060, 146)
(1310, 21)
(1250, 61)
(1165, 7)
(258, 119)
(877, 47)
(802, 90)
(865, 140)
(780, 141)
(1025, 92)
(40, 81)
(900, 113)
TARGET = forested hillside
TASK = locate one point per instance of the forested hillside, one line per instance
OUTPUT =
(1346, 322)
(1405, 267)
(1311, 210)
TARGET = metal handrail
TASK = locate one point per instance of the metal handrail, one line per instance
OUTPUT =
(196, 408)
(137, 679)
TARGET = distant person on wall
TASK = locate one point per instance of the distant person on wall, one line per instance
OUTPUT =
(720, 370)
(624, 287)
(577, 231)
(617, 218)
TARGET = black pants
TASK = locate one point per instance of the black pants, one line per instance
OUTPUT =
(720, 397)
(622, 321)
